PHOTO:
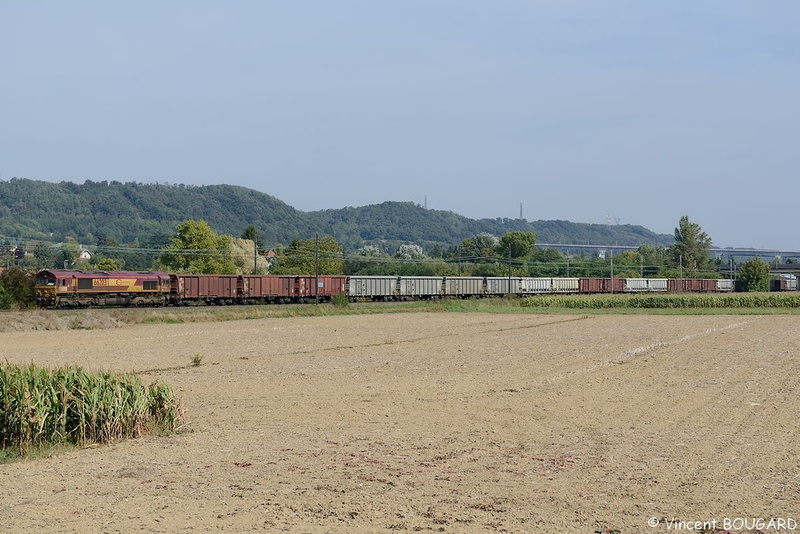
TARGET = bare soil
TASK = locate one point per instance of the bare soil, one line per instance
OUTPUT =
(431, 422)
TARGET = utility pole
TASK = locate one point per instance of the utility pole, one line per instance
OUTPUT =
(255, 257)
(612, 270)
(509, 268)
(316, 271)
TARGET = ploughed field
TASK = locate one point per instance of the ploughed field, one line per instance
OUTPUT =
(431, 422)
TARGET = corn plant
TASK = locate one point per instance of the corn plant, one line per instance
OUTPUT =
(683, 301)
(41, 407)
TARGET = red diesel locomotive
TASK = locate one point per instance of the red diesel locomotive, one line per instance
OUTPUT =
(83, 289)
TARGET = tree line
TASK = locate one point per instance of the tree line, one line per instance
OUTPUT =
(196, 248)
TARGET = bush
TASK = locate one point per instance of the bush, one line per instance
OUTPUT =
(18, 286)
(754, 275)
(340, 300)
(5, 299)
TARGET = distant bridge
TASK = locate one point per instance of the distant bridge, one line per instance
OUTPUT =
(738, 254)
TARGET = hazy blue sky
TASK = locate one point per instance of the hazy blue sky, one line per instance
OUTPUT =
(642, 110)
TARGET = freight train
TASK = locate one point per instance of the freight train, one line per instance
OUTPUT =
(81, 289)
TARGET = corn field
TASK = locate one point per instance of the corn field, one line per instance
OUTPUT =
(41, 407)
(685, 301)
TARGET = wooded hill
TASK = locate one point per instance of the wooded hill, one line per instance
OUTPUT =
(148, 213)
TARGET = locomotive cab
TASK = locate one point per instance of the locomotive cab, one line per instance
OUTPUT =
(45, 288)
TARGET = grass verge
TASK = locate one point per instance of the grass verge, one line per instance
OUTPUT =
(728, 304)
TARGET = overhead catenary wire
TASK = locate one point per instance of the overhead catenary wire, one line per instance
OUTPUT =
(305, 252)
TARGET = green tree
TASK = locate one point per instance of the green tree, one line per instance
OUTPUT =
(252, 234)
(198, 249)
(478, 246)
(547, 262)
(369, 260)
(68, 254)
(299, 257)
(517, 243)
(44, 255)
(692, 248)
(754, 275)
(5, 299)
(652, 258)
(107, 264)
(18, 286)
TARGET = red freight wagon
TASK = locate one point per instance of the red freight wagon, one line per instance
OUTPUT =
(326, 286)
(601, 285)
(266, 288)
(691, 285)
(206, 288)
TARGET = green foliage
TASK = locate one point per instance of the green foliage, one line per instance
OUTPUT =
(198, 249)
(68, 254)
(692, 248)
(126, 212)
(44, 256)
(652, 258)
(340, 300)
(40, 407)
(517, 244)
(107, 264)
(479, 246)
(250, 233)
(370, 261)
(110, 213)
(660, 301)
(300, 257)
(17, 286)
(493, 269)
(5, 299)
(754, 275)
(547, 255)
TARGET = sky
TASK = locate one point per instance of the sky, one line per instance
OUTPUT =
(632, 112)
